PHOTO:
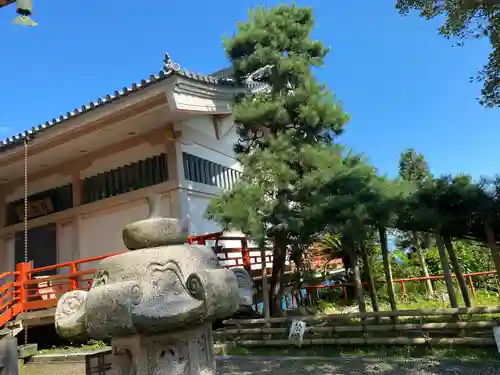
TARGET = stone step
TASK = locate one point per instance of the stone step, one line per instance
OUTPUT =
(12, 328)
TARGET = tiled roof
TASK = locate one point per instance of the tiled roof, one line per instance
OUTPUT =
(169, 69)
(6, 2)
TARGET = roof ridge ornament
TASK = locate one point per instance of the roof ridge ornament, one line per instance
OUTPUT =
(169, 66)
(24, 9)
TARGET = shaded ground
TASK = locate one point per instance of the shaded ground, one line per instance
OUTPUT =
(355, 367)
(308, 367)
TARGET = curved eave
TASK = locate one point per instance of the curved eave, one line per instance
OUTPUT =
(18, 139)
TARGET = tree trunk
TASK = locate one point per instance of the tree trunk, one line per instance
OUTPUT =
(458, 271)
(349, 248)
(360, 293)
(387, 268)
(369, 274)
(277, 277)
(265, 285)
(349, 260)
(492, 244)
(421, 258)
(446, 269)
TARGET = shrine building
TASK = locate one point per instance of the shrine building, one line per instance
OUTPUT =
(90, 170)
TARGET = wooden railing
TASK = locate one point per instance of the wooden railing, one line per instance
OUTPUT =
(26, 290)
(30, 289)
(237, 251)
(472, 326)
(403, 283)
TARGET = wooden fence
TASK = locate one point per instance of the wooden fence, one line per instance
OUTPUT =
(473, 326)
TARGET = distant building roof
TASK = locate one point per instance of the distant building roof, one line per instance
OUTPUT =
(223, 73)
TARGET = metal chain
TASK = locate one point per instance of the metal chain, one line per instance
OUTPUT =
(26, 217)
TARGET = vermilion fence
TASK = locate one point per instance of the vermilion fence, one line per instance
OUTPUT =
(30, 289)
(403, 282)
(26, 289)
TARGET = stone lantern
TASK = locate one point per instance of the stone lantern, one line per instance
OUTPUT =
(156, 302)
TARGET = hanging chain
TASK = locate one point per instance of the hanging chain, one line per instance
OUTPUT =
(26, 217)
(26, 200)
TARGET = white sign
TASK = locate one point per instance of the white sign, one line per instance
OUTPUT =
(297, 330)
(496, 334)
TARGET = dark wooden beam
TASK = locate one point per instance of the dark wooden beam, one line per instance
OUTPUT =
(6, 2)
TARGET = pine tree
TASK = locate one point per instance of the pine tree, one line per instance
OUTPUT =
(467, 20)
(275, 48)
(414, 168)
(285, 133)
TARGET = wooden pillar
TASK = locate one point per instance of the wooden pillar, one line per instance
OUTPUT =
(178, 197)
(3, 211)
(5, 264)
(77, 183)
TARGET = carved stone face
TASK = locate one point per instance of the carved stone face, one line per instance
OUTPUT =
(152, 290)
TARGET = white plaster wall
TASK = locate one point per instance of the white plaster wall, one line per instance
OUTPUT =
(38, 186)
(139, 152)
(197, 205)
(7, 255)
(231, 137)
(101, 233)
(203, 124)
(198, 138)
(4, 259)
(67, 249)
(192, 102)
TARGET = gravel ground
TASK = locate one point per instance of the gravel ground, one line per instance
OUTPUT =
(309, 367)
(356, 367)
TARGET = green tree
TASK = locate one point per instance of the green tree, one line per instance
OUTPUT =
(426, 211)
(468, 19)
(282, 130)
(274, 47)
(442, 206)
(487, 196)
(414, 168)
(339, 203)
(383, 202)
(359, 200)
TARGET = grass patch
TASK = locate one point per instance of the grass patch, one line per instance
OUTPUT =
(418, 302)
(71, 348)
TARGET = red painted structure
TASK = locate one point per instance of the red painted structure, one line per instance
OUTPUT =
(403, 282)
(24, 290)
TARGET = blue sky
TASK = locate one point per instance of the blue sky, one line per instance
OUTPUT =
(403, 85)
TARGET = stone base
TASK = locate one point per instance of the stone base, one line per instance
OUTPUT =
(173, 353)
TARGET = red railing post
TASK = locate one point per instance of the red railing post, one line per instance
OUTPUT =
(245, 254)
(73, 280)
(403, 288)
(21, 288)
(471, 284)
